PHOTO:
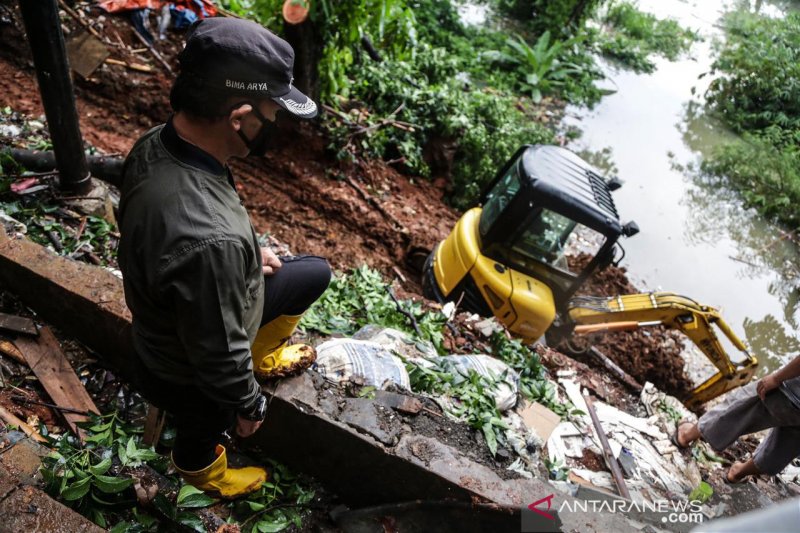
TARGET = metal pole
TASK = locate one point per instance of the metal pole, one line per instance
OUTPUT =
(52, 70)
(611, 461)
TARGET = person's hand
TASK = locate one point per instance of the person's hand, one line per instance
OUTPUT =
(270, 262)
(245, 427)
(766, 384)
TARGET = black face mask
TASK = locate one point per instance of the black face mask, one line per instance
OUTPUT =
(265, 137)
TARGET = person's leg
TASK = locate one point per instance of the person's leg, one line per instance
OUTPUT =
(740, 470)
(299, 282)
(197, 434)
(287, 295)
(780, 448)
(776, 451)
(741, 412)
(200, 425)
(687, 433)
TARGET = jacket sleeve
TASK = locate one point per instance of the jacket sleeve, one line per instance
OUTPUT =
(206, 287)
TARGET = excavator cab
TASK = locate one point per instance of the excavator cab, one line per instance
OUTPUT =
(548, 203)
(515, 257)
(510, 257)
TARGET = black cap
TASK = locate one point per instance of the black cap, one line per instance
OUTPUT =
(245, 58)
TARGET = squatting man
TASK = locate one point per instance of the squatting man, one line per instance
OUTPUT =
(211, 308)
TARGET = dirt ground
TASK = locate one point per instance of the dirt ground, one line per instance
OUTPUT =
(652, 354)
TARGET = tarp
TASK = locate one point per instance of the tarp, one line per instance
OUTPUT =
(202, 8)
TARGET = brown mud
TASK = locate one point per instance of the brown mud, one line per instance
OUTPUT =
(652, 354)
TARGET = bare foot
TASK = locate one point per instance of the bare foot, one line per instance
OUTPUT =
(739, 471)
(687, 434)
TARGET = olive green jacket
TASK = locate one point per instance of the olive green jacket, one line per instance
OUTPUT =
(192, 275)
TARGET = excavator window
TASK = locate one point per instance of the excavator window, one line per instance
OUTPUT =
(498, 199)
(544, 238)
(548, 238)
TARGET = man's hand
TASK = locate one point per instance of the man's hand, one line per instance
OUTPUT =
(766, 384)
(270, 262)
(245, 427)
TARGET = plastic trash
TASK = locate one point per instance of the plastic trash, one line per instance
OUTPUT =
(340, 359)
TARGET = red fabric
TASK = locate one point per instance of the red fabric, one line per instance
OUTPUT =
(115, 6)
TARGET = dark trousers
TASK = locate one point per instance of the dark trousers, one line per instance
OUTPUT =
(742, 412)
(200, 423)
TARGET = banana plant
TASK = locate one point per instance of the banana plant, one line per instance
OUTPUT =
(540, 66)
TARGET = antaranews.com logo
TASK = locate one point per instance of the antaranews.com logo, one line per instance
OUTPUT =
(545, 514)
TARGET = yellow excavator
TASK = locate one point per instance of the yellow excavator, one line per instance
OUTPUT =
(511, 258)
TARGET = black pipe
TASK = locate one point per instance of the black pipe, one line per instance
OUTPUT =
(106, 168)
(52, 70)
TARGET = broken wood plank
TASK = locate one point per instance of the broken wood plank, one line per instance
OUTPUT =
(86, 53)
(132, 66)
(153, 425)
(153, 51)
(9, 418)
(22, 400)
(616, 471)
(57, 376)
(18, 324)
(74, 14)
(7, 348)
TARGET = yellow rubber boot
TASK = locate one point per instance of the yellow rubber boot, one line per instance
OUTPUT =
(225, 482)
(272, 354)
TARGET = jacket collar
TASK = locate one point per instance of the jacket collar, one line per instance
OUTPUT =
(188, 153)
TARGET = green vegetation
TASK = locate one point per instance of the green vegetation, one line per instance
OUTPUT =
(87, 478)
(533, 385)
(539, 68)
(632, 37)
(434, 81)
(448, 91)
(757, 93)
(564, 17)
(42, 216)
(95, 480)
(406, 78)
(485, 126)
(473, 393)
(361, 297)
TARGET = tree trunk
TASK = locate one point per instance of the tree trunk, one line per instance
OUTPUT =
(307, 44)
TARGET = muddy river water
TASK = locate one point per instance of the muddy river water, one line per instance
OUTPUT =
(696, 239)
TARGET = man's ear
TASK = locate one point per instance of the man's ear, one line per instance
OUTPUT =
(237, 114)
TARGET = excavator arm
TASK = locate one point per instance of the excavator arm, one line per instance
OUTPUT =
(592, 314)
